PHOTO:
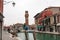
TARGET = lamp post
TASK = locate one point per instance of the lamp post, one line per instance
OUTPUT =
(5, 2)
(1, 14)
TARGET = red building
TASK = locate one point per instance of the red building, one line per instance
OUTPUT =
(1, 12)
(1, 6)
(40, 16)
(50, 18)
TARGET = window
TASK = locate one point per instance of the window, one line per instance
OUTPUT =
(58, 18)
(54, 19)
(43, 23)
(48, 20)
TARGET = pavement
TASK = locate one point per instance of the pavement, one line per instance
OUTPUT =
(6, 35)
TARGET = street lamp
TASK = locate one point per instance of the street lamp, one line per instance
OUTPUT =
(13, 3)
(1, 14)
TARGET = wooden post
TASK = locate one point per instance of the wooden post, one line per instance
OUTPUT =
(26, 35)
(34, 35)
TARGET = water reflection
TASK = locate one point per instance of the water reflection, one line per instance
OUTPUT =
(45, 36)
(30, 36)
(40, 36)
(22, 36)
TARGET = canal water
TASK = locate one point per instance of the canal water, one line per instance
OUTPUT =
(39, 36)
(22, 36)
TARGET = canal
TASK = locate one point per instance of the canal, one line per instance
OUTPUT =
(39, 36)
(22, 36)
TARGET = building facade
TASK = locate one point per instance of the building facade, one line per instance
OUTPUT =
(18, 26)
(37, 18)
(1, 18)
(50, 18)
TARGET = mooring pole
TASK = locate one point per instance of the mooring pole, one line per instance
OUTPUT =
(34, 35)
(26, 35)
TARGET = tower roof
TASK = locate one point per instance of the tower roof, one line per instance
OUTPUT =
(26, 11)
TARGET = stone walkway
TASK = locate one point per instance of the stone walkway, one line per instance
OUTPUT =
(6, 35)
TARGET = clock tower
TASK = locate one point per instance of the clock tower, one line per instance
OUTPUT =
(26, 18)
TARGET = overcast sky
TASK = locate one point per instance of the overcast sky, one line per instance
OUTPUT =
(16, 14)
